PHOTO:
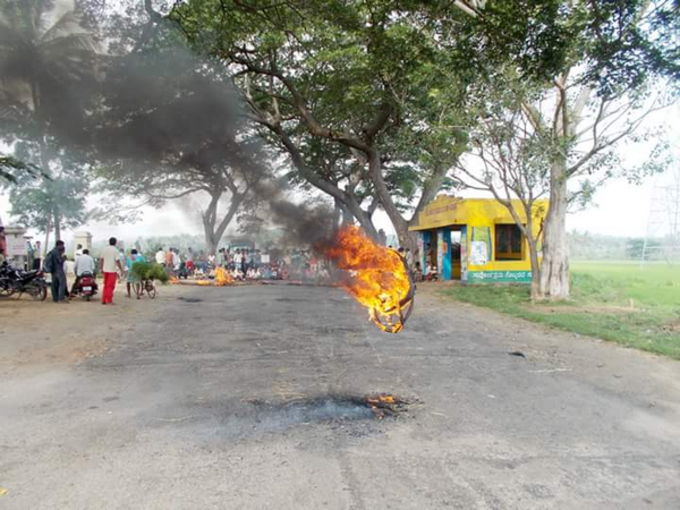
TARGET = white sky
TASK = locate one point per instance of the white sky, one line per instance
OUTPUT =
(620, 209)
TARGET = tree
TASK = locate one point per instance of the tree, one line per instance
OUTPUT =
(588, 71)
(10, 165)
(48, 73)
(515, 148)
(50, 202)
(202, 173)
(344, 73)
(167, 128)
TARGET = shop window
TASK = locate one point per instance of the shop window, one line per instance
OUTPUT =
(509, 243)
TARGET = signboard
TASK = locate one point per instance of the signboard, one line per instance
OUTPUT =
(478, 253)
(499, 276)
(16, 246)
(463, 254)
(440, 250)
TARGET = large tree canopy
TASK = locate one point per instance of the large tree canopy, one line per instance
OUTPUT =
(355, 75)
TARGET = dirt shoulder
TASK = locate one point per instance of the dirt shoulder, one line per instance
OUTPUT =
(39, 333)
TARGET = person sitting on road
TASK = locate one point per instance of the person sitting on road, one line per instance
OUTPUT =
(84, 264)
(418, 272)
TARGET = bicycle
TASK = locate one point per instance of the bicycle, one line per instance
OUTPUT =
(147, 286)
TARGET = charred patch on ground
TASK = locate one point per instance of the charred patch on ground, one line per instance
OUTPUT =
(252, 417)
(333, 408)
(190, 299)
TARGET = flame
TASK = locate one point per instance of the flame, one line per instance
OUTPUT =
(376, 276)
(222, 277)
(381, 400)
(385, 405)
(173, 280)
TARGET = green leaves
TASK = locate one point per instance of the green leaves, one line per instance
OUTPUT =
(10, 167)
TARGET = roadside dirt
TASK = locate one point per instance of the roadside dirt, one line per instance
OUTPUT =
(44, 333)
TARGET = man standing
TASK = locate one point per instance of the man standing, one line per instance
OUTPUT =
(160, 256)
(37, 256)
(3, 244)
(109, 262)
(54, 264)
(219, 258)
(176, 262)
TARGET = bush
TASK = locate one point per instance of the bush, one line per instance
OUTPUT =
(150, 271)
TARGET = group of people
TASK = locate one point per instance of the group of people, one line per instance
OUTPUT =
(241, 264)
(57, 264)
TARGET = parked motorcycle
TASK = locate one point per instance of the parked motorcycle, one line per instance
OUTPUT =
(87, 286)
(15, 281)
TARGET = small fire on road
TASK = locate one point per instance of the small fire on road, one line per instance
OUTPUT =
(222, 278)
(376, 276)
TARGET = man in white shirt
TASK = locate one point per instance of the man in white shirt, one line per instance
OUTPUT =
(160, 256)
(84, 264)
(109, 262)
(175, 260)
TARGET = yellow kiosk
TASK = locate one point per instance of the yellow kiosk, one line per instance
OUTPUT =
(476, 240)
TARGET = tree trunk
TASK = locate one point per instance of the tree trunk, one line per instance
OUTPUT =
(406, 239)
(337, 215)
(57, 226)
(46, 248)
(347, 218)
(209, 219)
(210, 245)
(535, 270)
(213, 232)
(554, 283)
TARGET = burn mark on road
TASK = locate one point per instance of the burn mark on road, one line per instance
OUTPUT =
(253, 417)
(189, 299)
(333, 408)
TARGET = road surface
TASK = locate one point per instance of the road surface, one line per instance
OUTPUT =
(248, 398)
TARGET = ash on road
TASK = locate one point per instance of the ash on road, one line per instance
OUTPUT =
(251, 398)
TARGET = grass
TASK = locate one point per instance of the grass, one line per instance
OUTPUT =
(616, 301)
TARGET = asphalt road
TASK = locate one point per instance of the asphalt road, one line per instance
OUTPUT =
(248, 398)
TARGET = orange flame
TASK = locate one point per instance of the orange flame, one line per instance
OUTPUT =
(222, 277)
(377, 277)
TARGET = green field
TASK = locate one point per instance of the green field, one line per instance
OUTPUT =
(615, 301)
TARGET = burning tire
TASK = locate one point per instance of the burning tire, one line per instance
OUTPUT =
(376, 276)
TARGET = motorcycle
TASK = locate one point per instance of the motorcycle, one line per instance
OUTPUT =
(87, 286)
(13, 281)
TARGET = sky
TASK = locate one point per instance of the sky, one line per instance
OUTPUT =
(619, 209)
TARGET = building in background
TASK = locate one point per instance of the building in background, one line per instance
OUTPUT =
(475, 240)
